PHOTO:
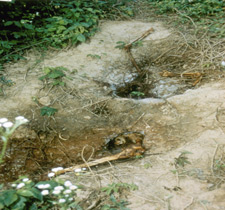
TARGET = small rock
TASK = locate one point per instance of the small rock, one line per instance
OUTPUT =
(46, 101)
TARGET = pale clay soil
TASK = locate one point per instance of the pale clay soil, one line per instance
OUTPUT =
(193, 121)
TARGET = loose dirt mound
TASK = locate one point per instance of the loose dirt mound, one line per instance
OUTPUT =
(89, 110)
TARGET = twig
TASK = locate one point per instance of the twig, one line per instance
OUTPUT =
(189, 204)
(82, 156)
(128, 47)
(145, 34)
(132, 151)
(213, 158)
(182, 14)
(136, 121)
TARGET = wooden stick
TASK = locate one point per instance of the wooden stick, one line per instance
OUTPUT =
(145, 34)
(128, 47)
(132, 151)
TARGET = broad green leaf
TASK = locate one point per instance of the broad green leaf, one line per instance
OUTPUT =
(28, 26)
(81, 38)
(47, 70)
(9, 197)
(8, 23)
(33, 207)
(1, 205)
(85, 25)
(25, 193)
(37, 194)
(20, 204)
(17, 23)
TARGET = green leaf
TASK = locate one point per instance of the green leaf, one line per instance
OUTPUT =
(28, 26)
(37, 194)
(25, 193)
(56, 74)
(19, 205)
(42, 77)
(81, 38)
(33, 207)
(1, 205)
(8, 23)
(47, 70)
(17, 23)
(8, 197)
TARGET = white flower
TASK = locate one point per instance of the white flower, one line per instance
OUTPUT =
(20, 185)
(67, 196)
(56, 192)
(3, 120)
(223, 63)
(70, 199)
(67, 192)
(84, 169)
(73, 187)
(67, 183)
(51, 174)
(59, 188)
(21, 119)
(7, 124)
(43, 186)
(47, 186)
(62, 200)
(25, 180)
(77, 170)
(57, 169)
(45, 192)
(13, 185)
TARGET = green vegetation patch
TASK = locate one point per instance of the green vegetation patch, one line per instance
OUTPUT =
(56, 23)
(207, 14)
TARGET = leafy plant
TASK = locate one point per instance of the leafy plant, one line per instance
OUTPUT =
(56, 74)
(94, 56)
(137, 44)
(49, 111)
(55, 23)
(26, 194)
(120, 44)
(182, 160)
(116, 187)
(7, 128)
(116, 204)
(207, 14)
(137, 94)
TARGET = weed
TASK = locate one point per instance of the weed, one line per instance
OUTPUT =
(94, 56)
(137, 94)
(219, 165)
(49, 111)
(26, 194)
(56, 74)
(207, 14)
(116, 204)
(120, 45)
(56, 23)
(116, 187)
(182, 160)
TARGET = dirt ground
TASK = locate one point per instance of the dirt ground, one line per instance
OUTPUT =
(184, 124)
